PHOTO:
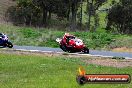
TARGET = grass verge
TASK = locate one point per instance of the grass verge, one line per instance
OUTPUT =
(39, 71)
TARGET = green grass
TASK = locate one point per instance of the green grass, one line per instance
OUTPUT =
(46, 37)
(33, 71)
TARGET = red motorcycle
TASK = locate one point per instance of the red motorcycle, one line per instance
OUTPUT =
(70, 43)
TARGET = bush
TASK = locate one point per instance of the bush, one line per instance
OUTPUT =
(121, 42)
(30, 33)
(95, 40)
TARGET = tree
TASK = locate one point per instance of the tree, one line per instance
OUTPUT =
(73, 6)
(24, 13)
(58, 7)
(92, 7)
(29, 10)
(43, 5)
(80, 14)
(120, 17)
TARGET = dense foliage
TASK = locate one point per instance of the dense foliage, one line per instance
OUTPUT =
(42, 12)
(39, 12)
(120, 17)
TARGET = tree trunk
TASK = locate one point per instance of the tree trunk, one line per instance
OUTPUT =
(96, 21)
(44, 17)
(74, 12)
(89, 15)
(81, 15)
(68, 13)
(49, 15)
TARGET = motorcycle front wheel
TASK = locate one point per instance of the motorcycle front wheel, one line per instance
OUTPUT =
(86, 50)
(63, 47)
(9, 44)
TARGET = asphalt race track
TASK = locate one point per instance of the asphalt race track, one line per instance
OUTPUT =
(92, 52)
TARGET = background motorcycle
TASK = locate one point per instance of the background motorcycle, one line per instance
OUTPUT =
(73, 45)
(5, 42)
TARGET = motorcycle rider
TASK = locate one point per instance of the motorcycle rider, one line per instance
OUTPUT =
(4, 41)
(2, 36)
(68, 37)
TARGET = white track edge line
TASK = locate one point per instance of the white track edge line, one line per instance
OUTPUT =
(68, 53)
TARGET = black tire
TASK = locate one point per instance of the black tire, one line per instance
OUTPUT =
(9, 44)
(70, 49)
(63, 47)
(86, 50)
